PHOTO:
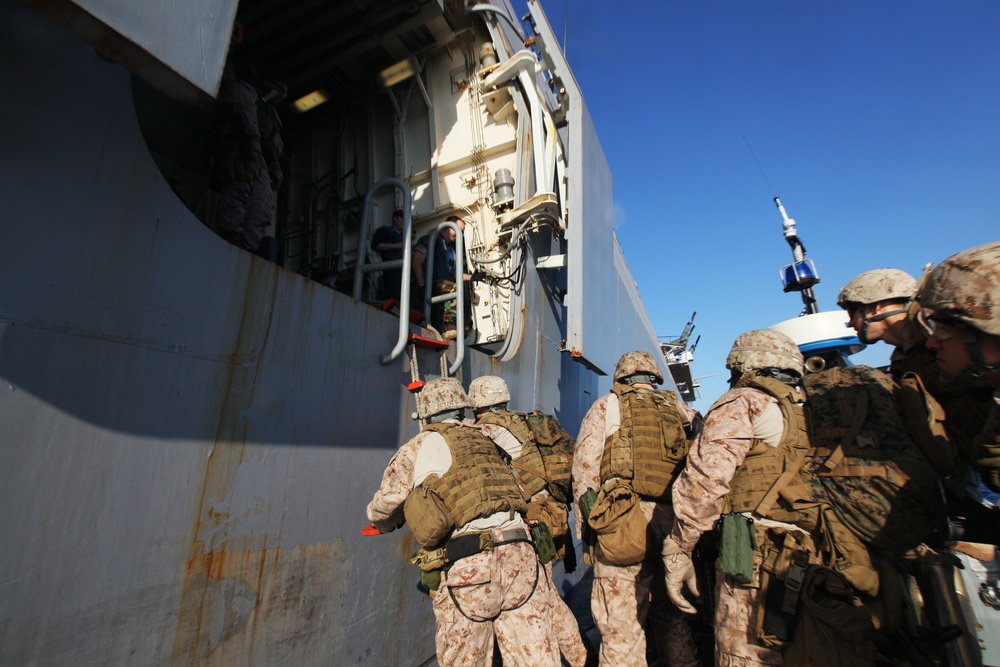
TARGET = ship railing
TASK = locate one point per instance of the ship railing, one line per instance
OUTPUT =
(362, 267)
(458, 295)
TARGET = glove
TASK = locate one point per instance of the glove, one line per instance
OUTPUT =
(478, 276)
(680, 574)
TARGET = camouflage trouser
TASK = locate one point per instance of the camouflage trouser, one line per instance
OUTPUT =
(735, 622)
(246, 206)
(625, 597)
(501, 593)
(567, 630)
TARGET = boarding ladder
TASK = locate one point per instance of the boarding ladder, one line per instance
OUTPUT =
(362, 267)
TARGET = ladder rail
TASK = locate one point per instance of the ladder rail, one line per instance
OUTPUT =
(362, 267)
(458, 295)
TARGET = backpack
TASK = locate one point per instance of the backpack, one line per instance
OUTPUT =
(556, 447)
(864, 462)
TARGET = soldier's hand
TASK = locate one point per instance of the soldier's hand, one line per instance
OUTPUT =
(681, 575)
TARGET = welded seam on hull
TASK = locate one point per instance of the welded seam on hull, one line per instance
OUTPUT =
(145, 343)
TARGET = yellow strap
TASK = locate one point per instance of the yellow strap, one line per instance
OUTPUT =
(528, 469)
(771, 497)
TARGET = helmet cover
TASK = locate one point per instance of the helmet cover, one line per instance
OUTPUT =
(637, 362)
(763, 348)
(441, 395)
(966, 286)
(488, 390)
(877, 285)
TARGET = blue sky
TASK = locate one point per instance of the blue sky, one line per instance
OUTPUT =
(877, 123)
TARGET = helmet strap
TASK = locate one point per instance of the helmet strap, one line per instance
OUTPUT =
(641, 378)
(863, 334)
(780, 375)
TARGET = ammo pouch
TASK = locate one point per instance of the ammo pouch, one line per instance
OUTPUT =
(545, 546)
(620, 525)
(782, 573)
(427, 517)
(551, 512)
(738, 545)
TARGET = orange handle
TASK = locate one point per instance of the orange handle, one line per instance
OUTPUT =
(370, 530)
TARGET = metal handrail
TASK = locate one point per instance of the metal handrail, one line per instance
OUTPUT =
(361, 267)
(459, 293)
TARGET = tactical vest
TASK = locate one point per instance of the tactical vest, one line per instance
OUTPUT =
(479, 482)
(764, 464)
(650, 445)
(529, 469)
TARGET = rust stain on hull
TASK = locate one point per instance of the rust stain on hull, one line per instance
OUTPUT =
(205, 609)
(264, 606)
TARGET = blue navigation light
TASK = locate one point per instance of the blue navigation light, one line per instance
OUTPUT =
(799, 276)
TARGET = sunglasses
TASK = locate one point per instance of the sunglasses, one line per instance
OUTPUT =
(939, 327)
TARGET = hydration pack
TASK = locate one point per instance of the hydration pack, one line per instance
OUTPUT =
(556, 447)
(864, 462)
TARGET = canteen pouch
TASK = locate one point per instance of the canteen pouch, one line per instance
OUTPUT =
(738, 546)
(430, 563)
(431, 580)
(587, 503)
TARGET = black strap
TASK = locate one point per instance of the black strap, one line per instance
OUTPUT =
(463, 547)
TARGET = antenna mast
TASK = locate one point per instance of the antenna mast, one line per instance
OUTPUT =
(800, 275)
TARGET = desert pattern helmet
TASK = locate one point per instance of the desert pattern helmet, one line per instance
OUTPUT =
(635, 362)
(488, 390)
(762, 348)
(441, 395)
(877, 285)
(966, 286)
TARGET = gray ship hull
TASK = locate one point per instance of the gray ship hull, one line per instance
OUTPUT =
(191, 433)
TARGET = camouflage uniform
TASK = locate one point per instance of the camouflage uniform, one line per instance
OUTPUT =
(624, 596)
(501, 592)
(730, 429)
(240, 173)
(566, 628)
